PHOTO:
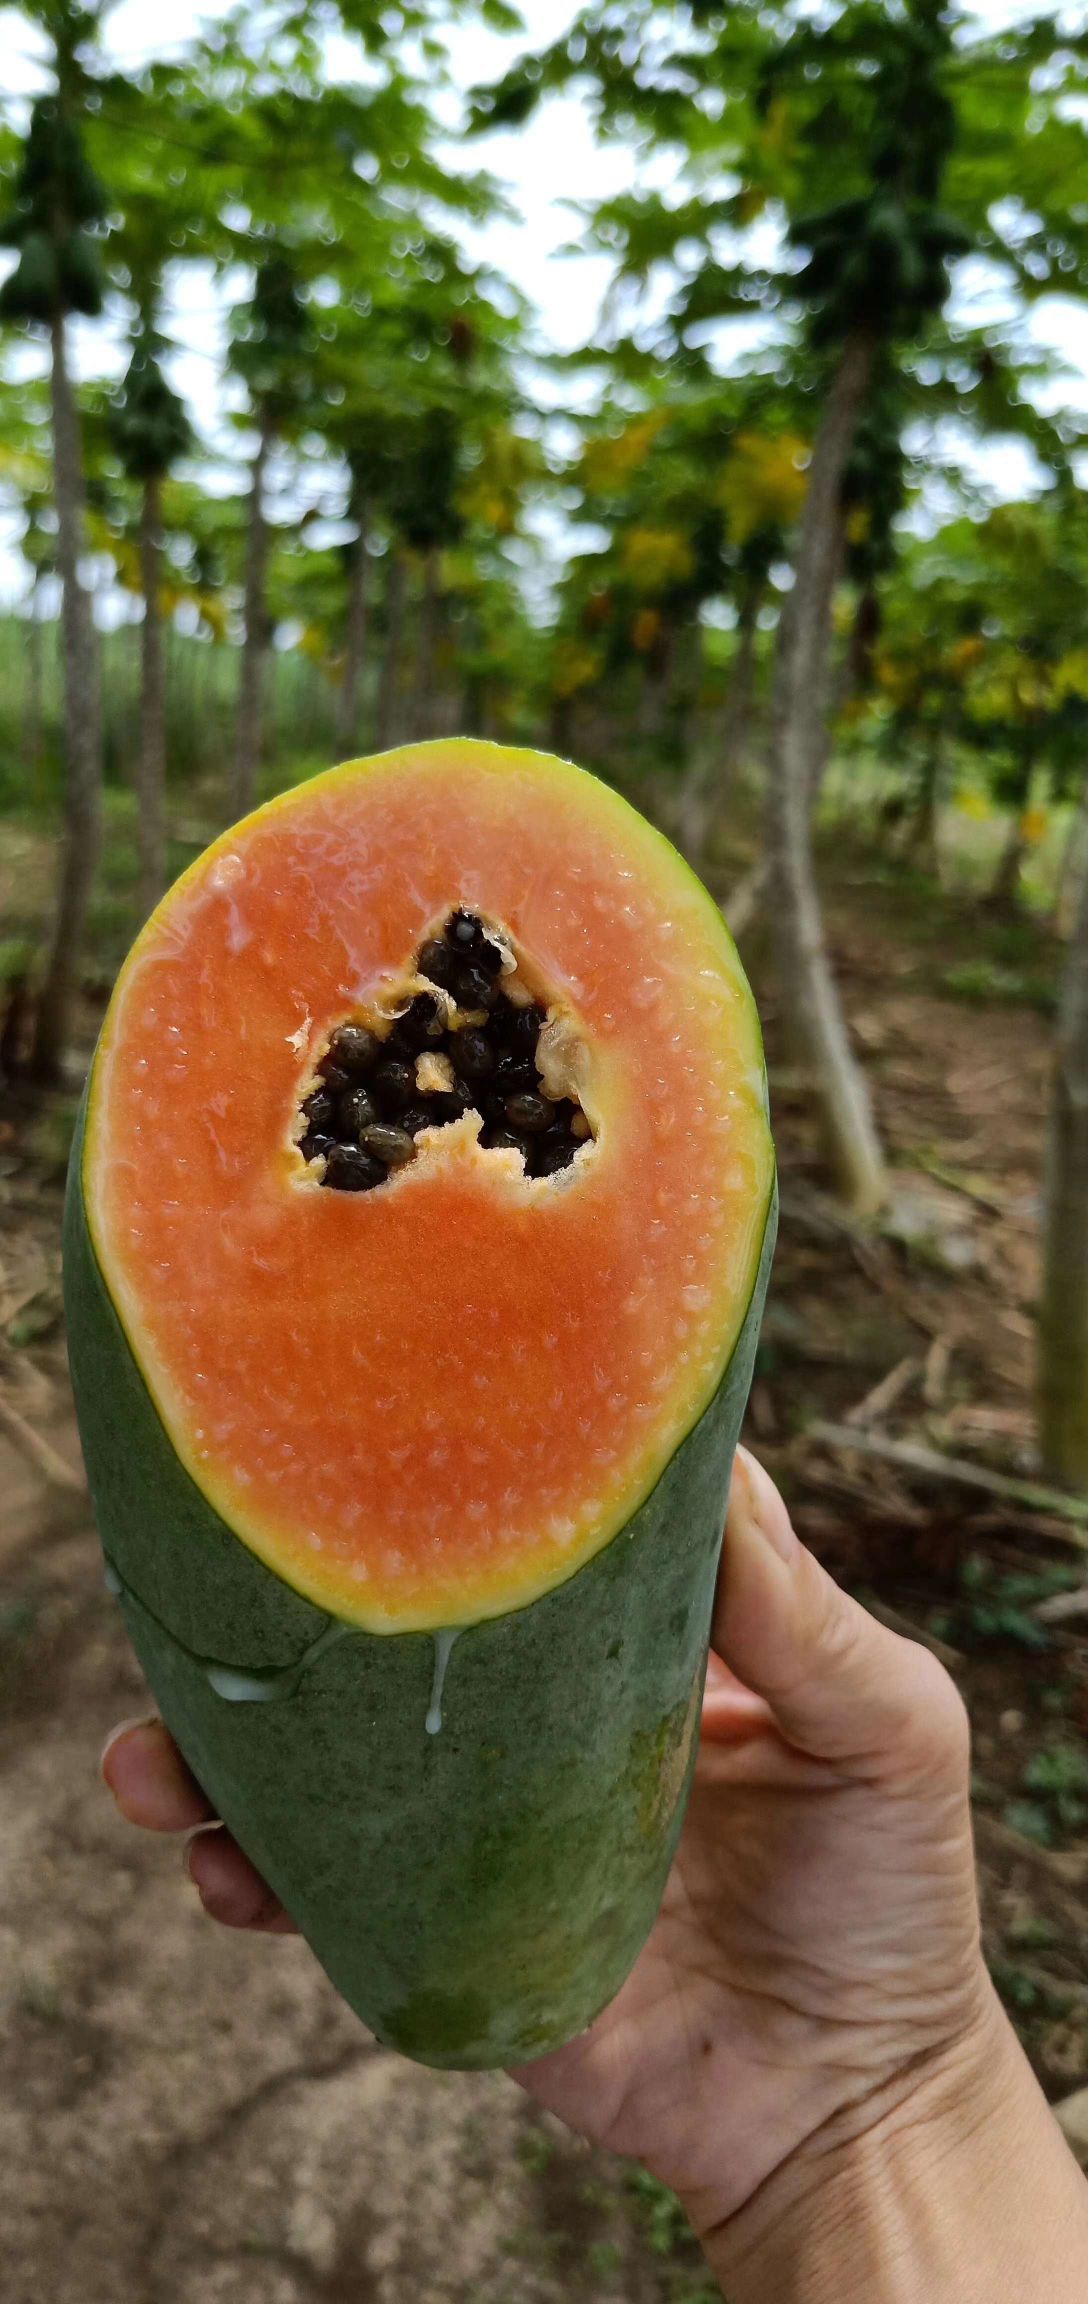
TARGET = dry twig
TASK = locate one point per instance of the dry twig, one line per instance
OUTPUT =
(876, 1403)
(1062, 1607)
(935, 1380)
(743, 902)
(39, 1451)
(928, 1464)
(951, 1658)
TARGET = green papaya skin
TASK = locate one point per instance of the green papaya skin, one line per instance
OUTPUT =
(477, 1893)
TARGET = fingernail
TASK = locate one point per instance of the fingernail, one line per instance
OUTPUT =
(123, 1728)
(763, 1509)
(216, 1899)
(199, 1832)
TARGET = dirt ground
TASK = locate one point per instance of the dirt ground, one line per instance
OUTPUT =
(192, 2118)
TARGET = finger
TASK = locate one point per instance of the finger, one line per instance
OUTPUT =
(731, 1712)
(144, 1770)
(840, 1685)
(231, 1888)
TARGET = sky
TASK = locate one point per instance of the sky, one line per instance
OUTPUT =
(550, 162)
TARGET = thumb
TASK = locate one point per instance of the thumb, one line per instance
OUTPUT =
(840, 1685)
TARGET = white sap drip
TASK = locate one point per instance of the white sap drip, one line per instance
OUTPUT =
(235, 1685)
(265, 1687)
(443, 1646)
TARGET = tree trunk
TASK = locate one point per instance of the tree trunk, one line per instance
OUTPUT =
(1005, 886)
(151, 766)
(656, 689)
(1004, 889)
(82, 730)
(1063, 1310)
(33, 724)
(685, 684)
(799, 696)
(737, 718)
(692, 812)
(923, 832)
(1074, 870)
(864, 634)
(247, 749)
(384, 730)
(425, 715)
(704, 793)
(561, 726)
(685, 681)
(835, 695)
(475, 716)
(355, 629)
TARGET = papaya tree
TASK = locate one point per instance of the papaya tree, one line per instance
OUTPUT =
(879, 144)
(361, 463)
(874, 270)
(761, 488)
(150, 431)
(982, 657)
(272, 350)
(58, 206)
(26, 487)
(1063, 1307)
(1030, 685)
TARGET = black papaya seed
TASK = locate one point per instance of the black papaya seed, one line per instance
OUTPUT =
(523, 1029)
(487, 955)
(472, 1054)
(393, 1084)
(355, 1048)
(448, 1104)
(562, 1119)
(502, 1140)
(392, 1146)
(513, 1074)
(423, 1024)
(319, 1109)
(474, 987)
(336, 1077)
(437, 963)
(463, 930)
(349, 1169)
(314, 1146)
(356, 1111)
(548, 1158)
(529, 1114)
(417, 1116)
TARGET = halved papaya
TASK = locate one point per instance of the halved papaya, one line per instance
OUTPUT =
(418, 1229)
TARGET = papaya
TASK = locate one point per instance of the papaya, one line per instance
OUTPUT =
(418, 1227)
(82, 277)
(31, 291)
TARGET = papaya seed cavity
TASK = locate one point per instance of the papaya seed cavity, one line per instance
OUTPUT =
(468, 1037)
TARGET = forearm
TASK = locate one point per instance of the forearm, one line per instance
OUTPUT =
(964, 2192)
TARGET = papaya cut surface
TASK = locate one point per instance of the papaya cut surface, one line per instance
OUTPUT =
(428, 1404)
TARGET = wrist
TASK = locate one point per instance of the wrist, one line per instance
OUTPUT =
(920, 2191)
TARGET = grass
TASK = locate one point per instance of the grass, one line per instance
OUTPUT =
(996, 1604)
(201, 696)
(987, 981)
(670, 2237)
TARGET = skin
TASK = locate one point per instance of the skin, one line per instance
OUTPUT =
(808, 2050)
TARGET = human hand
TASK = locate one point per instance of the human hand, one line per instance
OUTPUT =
(817, 1951)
